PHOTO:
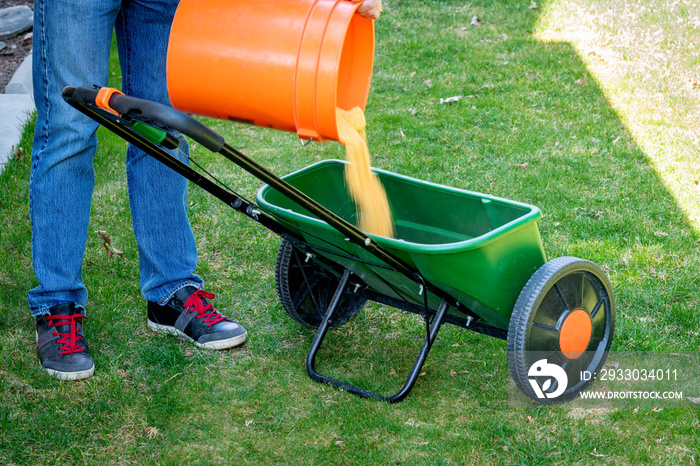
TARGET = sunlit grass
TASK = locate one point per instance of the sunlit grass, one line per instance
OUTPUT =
(641, 55)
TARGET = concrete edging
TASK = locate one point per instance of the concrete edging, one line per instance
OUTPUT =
(16, 106)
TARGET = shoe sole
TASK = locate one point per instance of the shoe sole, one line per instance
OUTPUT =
(77, 375)
(215, 345)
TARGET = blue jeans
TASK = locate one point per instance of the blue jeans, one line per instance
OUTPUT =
(72, 40)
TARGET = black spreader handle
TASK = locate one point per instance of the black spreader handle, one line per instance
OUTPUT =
(148, 110)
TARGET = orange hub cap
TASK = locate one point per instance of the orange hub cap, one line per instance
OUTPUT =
(575, 334)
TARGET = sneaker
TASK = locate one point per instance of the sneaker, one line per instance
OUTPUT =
(190, 314)
(61, 343)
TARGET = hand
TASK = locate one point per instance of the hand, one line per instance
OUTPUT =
(370, 9)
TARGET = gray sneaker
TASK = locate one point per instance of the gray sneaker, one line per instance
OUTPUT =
(190, 314)
(61, 343)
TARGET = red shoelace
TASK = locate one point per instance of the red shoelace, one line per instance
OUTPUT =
(204, 311)
(68, 341)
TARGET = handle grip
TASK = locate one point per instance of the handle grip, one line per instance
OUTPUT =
(141, 109)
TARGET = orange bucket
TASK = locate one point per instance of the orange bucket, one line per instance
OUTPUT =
(279, 64)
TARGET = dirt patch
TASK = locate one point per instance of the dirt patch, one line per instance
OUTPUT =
(16, 49)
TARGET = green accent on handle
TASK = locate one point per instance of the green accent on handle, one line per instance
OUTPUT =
(154, 135)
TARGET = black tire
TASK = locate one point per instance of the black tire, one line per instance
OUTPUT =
(305, 289)
(560, 288)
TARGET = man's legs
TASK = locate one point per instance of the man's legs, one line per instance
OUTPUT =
(71, 48)
(157, 195)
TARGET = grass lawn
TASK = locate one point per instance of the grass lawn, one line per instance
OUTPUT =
(588, 109)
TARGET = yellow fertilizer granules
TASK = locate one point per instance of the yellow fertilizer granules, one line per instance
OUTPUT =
(374, 214)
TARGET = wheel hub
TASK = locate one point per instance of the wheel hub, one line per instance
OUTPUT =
(575, 334)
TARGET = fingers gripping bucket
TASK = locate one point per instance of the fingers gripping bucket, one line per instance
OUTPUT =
(280, 64)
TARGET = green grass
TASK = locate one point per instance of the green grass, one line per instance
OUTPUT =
(598, 103)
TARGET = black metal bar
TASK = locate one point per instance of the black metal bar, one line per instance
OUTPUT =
(422, 355)
(471, 322)
(477, 327)
(437, 320)
(323, 327)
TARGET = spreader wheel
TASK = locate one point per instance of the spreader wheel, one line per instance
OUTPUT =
(305, 289)
(561, 326)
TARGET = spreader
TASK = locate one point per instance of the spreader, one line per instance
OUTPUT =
(459, 257)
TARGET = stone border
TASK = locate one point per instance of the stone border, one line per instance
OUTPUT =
(16, 106)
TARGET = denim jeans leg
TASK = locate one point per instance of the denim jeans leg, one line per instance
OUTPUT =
(157, 195)
(71, 48)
